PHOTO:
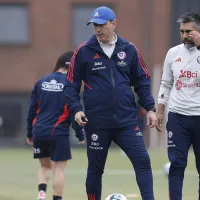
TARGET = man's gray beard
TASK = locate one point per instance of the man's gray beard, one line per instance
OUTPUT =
(189, 45)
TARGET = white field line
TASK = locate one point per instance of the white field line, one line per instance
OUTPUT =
(123, 172)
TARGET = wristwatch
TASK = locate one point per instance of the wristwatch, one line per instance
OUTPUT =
(152, 109)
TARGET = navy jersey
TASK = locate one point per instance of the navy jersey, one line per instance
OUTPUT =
(108, 97)
(48, 113)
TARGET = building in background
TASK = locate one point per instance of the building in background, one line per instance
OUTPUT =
(34, 33)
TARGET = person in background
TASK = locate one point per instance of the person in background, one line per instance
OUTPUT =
(48, 125)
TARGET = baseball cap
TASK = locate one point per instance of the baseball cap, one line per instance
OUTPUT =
(101, 15)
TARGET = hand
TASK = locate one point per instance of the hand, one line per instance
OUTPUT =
(152, 120)
(81, 119)
(195, 36)
(160, 117)
(30, 141)
(81, 142)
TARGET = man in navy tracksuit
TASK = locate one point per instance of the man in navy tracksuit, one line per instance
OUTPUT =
(48, 127)
(109, 65)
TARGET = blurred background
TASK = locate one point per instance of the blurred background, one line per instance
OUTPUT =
(33, 33)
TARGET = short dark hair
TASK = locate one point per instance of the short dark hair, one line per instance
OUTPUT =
(63, 61)
(190, 17)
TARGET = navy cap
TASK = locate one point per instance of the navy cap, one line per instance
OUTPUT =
(101, 15)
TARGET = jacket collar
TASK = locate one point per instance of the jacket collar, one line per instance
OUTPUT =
(193, 48)
(121, 44)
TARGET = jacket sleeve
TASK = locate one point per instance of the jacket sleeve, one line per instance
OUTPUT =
(141, 81)
(167, 81)
(74, 81)
(32, 111)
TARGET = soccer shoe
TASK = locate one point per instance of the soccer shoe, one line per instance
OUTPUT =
(42, 195)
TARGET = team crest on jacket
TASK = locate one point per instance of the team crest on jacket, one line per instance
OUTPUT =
(121, 55)
(170, 134)
(94, 137)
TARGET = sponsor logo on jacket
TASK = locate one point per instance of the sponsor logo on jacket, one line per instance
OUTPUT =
(180, 85)
(121, 63)
(97, 63)
(52, 86)
(188, 74)
(98, 68)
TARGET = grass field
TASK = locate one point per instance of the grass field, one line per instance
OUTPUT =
(18, 180)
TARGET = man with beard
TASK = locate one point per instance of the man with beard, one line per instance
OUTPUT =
(180, 85)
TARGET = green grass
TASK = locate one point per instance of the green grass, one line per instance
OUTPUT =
(18, 180)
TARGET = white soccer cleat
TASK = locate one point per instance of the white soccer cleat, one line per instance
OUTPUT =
(42, 195)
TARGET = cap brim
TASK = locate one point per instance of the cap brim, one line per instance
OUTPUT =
(97, 21)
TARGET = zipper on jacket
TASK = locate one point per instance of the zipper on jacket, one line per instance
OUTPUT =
(114, 92)
(190, 57)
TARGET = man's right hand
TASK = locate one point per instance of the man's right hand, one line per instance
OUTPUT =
(196, 37)
(160, 117)
(152, 120)
(160, 114)
(80, 118)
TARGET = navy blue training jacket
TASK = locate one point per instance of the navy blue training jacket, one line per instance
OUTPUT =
(48, 114)
(108, 98)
